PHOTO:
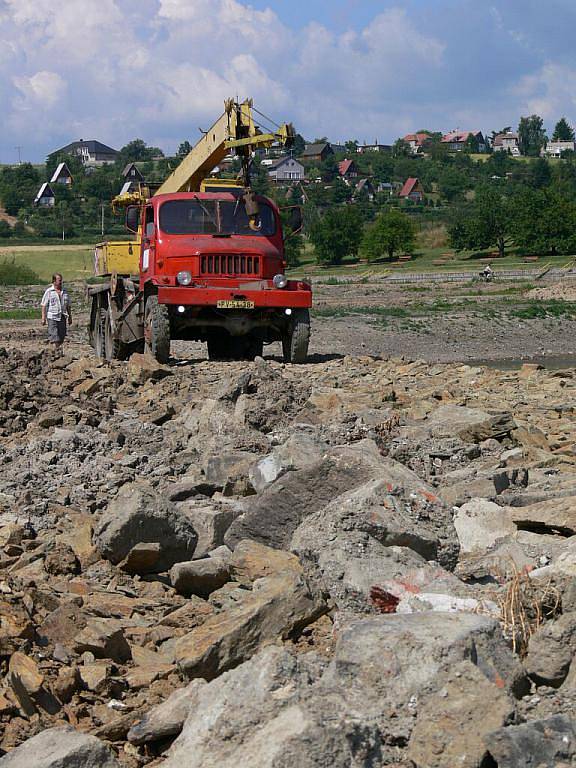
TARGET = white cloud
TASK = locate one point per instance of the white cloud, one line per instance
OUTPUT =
(159, 69)
(43, 90)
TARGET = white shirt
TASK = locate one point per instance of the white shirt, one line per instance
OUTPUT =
(57, 304)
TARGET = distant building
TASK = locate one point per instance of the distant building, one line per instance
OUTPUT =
(347, 169)
(61, 175)
(506, 142)
(416, 141)
(457, 141)
(361, 148)
(45, 196)
(89, 152)
(131, 172)
(364, 186)
(286, 169)
(317, 152)
(412, 190)
(556, 148)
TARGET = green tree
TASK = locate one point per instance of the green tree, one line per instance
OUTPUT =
(184, 149)
(531, 135)
(488, 221)
(5, 229)
(137, 151)
(563, 131)
(452, 183)
(336, 235)
(401, 148)
(351, 145)
(299, 145)
(392, 231)
(544, 221)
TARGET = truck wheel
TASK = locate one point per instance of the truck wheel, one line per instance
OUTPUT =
(98, 332)
(157, 330)
(113, 347)
(296, 339)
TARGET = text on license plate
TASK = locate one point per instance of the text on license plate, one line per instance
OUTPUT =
(234, 304)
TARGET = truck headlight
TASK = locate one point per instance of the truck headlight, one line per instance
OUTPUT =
(280, 281)
(184, 277)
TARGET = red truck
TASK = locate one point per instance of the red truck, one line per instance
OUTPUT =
(210, 265)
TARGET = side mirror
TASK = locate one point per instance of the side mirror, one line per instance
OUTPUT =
(133, 218)
(293, 218)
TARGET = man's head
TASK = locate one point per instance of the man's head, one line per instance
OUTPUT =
(57, 280)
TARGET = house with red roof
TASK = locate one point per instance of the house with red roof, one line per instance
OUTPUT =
(416, 141)
(347, 169)
(456, 141)
(413, 190)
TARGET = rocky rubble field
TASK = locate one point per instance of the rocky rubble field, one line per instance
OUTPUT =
(359, 562)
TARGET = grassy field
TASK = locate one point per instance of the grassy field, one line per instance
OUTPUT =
(73, 261)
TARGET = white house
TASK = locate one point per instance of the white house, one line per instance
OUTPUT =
(286, 169)
(61, 175)
(555, 148)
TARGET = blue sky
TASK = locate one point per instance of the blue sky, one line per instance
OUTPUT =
(114, 70)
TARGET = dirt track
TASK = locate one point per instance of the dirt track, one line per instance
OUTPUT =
(474, 323)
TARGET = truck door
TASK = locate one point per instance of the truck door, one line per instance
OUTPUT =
(148, 238)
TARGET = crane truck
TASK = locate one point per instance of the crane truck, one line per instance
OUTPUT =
(207, 262)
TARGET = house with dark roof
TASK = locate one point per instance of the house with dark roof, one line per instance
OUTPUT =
(456, 141)
(90, 152)
(286, 169)
(347, 169)
(61, 175)
(376, 147)
(131, 172)
(45, 196)
(413, 190)
(317, 152)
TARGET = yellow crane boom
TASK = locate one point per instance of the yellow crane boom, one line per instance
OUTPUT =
(235, 129)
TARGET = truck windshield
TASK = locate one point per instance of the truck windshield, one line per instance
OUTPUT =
(213, 217)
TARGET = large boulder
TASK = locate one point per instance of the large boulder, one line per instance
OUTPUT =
(139, 514)
(480, 524)
(61, 747)
(275, 607)
(279, 709)
(469, 424)
(551, 650)
(299, 451)
(406, 510)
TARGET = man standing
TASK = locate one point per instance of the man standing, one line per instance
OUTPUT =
(57, 310)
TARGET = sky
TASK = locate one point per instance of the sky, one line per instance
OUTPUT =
(115, 70)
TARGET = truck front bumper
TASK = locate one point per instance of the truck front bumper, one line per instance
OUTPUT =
(280, 298)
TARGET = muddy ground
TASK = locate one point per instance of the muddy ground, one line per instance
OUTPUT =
(443, 322)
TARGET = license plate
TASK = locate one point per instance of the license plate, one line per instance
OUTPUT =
(234, 304)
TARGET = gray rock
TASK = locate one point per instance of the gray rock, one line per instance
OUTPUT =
(200, 577)
(551, 650)
(166, 719)
(61, 747)
(469, 424)
(480, 524)
(223, 467)
(454, 714)
(139, 514)
(210, 521)
(546, 743)
(273, 516)
(299, 451)
(105, 639)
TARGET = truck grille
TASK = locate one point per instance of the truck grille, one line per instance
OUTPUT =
(229, 264)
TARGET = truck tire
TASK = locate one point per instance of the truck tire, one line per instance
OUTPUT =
(99, 319)
(114, 349)
(296, 339)
(157, 330)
